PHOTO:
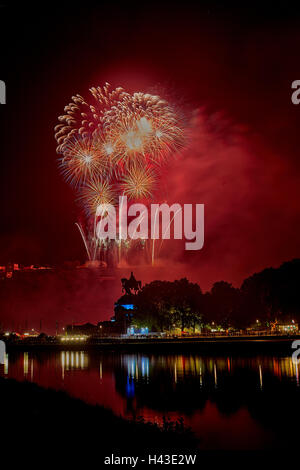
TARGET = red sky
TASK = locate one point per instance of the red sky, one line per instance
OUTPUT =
(231, 69)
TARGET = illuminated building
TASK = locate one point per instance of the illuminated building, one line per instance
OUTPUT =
(287, 327)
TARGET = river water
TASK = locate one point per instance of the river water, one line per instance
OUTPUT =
(229, 402)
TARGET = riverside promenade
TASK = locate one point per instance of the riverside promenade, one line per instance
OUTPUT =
(196, 344)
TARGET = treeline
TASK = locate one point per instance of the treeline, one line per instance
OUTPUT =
(268, 296)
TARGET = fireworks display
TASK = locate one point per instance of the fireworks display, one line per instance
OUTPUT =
(116, 143)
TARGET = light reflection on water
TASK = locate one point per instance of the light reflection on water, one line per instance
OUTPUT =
(215, 395)
(177, 367)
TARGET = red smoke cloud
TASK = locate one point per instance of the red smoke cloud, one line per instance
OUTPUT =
(250, 198)
(251, 221)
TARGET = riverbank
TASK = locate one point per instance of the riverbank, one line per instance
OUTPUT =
(217, 344)
(32, 414)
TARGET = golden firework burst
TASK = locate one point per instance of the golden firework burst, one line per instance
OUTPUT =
(96, 192)
(138, 182)
(81, 161)
(126, 129)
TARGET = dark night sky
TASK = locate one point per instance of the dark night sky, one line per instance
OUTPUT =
(235, 65)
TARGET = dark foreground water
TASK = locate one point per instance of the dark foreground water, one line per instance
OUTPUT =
(229, 402)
